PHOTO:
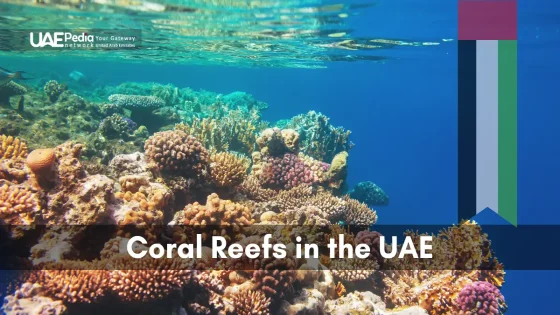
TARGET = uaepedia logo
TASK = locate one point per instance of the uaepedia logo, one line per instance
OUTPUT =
(59, 39)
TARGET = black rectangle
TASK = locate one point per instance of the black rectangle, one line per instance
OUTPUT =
(467, 129)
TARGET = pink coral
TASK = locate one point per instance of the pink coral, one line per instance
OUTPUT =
(286, 171)
(481, 298)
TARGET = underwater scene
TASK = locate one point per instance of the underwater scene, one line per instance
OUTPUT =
(298, 119)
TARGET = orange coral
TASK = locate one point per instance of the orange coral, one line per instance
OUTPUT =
(40, 162)
(71, 282)
(251, 303)
(358, 213)
(12, 148)
(219, 217)
(177, 151)
(228, 169)
(148, 279)
(275, 276)
(18, 204)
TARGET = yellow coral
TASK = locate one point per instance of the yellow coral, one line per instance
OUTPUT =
(228, 169)
(18, 204)
(217, 217)
(12, 148)
(224, 134)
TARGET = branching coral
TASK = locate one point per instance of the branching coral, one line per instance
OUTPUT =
(251, 303)
(286, 172)
(177, 151)
(228, 169)
(275, 276)
(148, 279)
(353, 269)
(251, 188)
(226, 134)
(18, 204)
(358, 213)
(318, 138)
(12, 148)
(217, 217)
(71, 282)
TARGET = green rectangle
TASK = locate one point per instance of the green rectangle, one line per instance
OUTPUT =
(507, 130)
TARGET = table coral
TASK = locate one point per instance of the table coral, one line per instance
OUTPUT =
(177, 151)
(136, 101)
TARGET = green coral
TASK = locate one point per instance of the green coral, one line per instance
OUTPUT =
(318, 138)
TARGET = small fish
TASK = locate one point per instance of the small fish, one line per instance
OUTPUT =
(7, 76)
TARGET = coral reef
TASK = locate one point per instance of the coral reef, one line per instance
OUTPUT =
(80, 177)
(370, 194)
(10, 89)
(136, 101)
(228, 169)
(53, 90)
(318, 138)
(177, 151)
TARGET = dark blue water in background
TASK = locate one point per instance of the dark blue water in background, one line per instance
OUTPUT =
(403, 115)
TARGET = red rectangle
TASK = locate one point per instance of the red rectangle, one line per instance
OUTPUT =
(488, 20)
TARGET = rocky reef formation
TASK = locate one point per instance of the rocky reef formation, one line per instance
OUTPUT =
(70, 204)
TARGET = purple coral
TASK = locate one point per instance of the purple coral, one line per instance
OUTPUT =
(481, 298)
(372, 239)
(287, 171)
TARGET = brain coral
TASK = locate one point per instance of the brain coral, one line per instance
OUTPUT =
(228, 169)
(11, 148)
(481, 298)
(41, 161)
(177, 151)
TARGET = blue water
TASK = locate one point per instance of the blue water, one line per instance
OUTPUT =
(403, 115)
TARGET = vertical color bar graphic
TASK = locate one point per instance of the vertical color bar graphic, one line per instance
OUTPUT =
(467, 129)
(486, 125)
(507, 130)
(487, 108)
